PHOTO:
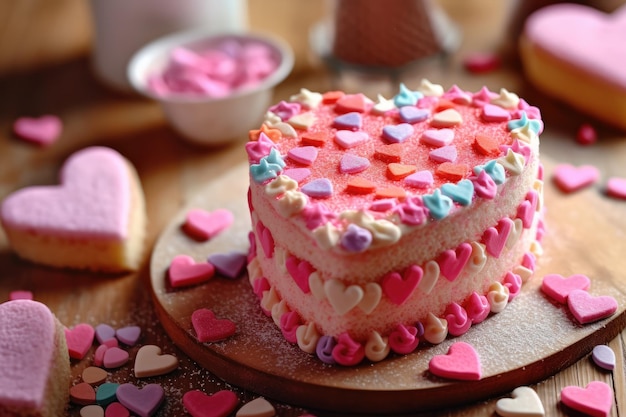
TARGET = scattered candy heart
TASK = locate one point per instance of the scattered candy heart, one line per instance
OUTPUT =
(92, 410)
(79, 340)
(570, 178)
(116, 409)
(104, 332)
(185, 271)
(558, 287)
(318, 188)
(596, 399)
(20, 295)
(616, 187)
(259, 407)
(43, 131)
(304, 155)
(203, 225)
(586, 308)
(150, 362)
(420, 179)
(142, 401)
(114, 357)
(82, 394)
(481, 62)
(106, 393)
(230, 265)
(525, 403)
(208, 328)
(604, 357)
(444, 154)
(461, 362)
(129, 335)
(586, 134)
(352, 164)
(94, 375)
(220, 404)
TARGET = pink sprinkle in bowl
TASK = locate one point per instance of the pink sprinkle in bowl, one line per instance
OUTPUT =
(213, 113)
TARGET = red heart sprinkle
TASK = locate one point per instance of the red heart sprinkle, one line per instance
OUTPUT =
(209, 328)
(220, 404)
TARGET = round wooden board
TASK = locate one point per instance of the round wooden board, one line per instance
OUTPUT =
(532, 339)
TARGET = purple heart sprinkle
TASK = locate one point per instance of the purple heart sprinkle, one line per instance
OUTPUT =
(356, 239)
(398, 133)
(128, 335)
(412, 114)
(229, 265)
(319, 188)
(104, 332)
(352, 121)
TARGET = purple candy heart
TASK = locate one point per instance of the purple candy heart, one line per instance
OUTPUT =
(444, 154)
(351, 164)
(356, 239)
(230, 265)
(144, 402)
(493, 113)
(412, 114)
(352, 121)
(104, 332)
(604, 357)
(398, 133)
(128, 335)
(320, 188)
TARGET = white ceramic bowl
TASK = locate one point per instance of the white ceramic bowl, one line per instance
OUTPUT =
(205, 120)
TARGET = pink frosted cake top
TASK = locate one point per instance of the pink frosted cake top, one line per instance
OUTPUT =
(418, 157)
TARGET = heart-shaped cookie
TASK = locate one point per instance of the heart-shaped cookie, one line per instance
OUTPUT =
(461, 362)
(149, 361)
(220, 404)
(32, 340)
(525, 403)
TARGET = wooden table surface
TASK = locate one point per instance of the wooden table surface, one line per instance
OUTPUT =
(44, 68)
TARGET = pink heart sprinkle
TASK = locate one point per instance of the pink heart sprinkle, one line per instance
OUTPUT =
(79, 340)
(616, 187)
(493, 113)
(114, 358)
(596, 399)
(299, 271)
(297, 174)
(495, 238)
(461, 362)
(230, 264)
(438, 137)
(399, 288)
(586, 308)
(444, 154)
(451, 262)
(304, 155)
(44, 130)
(203, 225)
(20, 295)
(208, 328)
(570, 178)
(558, 287)
(220, 404)
(142, 401)
(184, 271)
(348, 139)
(352, 164)
(98, 355)
(420, 179)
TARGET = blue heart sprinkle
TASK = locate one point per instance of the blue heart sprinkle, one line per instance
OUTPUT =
(438, 204)
(461, 192)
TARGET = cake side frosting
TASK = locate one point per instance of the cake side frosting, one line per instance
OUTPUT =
(329, 261)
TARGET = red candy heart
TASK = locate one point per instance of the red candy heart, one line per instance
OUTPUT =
(587, 308)
(558, 287)
(209, 328)
(79, 340)
(42, 131)
(220, 404)
(596, 399)
(184, 271)
(398, 288)
(461, 362)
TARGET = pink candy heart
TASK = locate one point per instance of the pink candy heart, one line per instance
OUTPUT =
(208, 328)
(461, 362)
(438, 137)
(79, 339)
(444, 154)
(114, 357)
(299, 271)
(452, 262)
(399, 288)
(349, 139)
(352, 164)
(220, 404)
(493, 113)
(44, 130)
(596, 399)
(586, 308)
(616, 187)
(495, 238)
(184, 271)
(570, 178)
(304, 155)
(203, 225)
(559, 287)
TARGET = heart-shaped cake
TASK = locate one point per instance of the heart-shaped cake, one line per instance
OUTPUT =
(94, 219)
(34, 360)
(575, 53)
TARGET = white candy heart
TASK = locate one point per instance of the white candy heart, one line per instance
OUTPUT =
(525, 403)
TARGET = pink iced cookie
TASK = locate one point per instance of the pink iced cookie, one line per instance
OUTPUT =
(596, 399)
(95, 219)
(570, 178)
(592, 58)
(461, 362)
(43, 130)
(35, 365)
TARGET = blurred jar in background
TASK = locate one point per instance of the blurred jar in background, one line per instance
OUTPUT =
(121, 27)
